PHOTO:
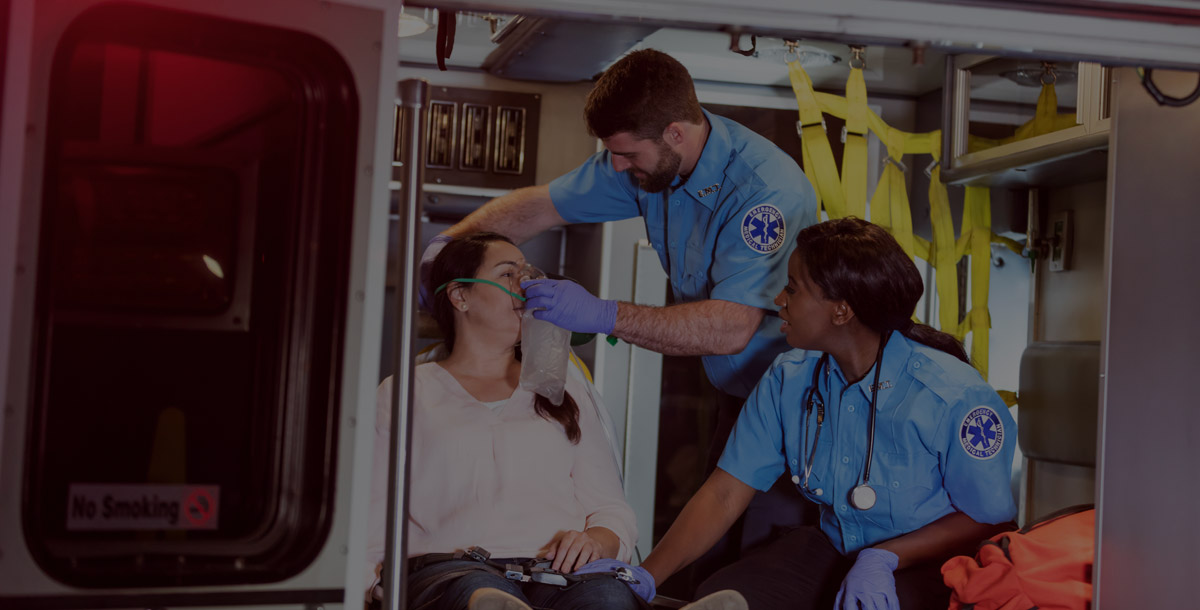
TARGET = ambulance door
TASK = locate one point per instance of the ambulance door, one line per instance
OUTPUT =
(193, 303)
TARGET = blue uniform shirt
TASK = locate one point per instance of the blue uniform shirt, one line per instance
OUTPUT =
(725, 233)
(944, 441)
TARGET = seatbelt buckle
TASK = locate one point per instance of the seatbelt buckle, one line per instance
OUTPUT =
(548, 577)
(929, 169)
(478, 554)
(847, 132)
(899, 165)
(515, 571)
(800, 126)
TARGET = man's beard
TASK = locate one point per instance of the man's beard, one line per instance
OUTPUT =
(664, 173)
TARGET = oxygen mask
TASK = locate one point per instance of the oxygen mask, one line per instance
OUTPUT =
(544, 349)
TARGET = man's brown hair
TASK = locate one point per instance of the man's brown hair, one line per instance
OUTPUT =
(641, 94)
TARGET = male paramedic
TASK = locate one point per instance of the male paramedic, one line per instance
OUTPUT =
(721, 206)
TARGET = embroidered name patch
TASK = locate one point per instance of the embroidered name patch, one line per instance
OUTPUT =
(981, 433)
(708, 190)
(763, 229)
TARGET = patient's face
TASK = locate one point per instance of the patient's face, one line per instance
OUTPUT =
(491, 307)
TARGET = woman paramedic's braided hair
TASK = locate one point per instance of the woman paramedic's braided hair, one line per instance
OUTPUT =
(462, 258)
(858, 262)
(641, 94)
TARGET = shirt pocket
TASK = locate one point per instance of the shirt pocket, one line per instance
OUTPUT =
(656, 235)
(697, 259)
(911, 482)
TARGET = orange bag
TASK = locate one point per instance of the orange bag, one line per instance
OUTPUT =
(1047, 565)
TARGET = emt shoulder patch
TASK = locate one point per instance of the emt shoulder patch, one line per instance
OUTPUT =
(763, 228)
(981, 433)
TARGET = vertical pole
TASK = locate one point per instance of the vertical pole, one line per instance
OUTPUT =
(412, 96)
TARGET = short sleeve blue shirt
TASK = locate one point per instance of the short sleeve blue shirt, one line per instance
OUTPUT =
(944, 442)
(726, 233)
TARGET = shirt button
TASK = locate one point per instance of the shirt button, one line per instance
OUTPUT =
(818, 491)
(795, 479)
(845, 460)
(853, 538)
(842, 508)
(674, 202)
(793, 462)
(896, 484)
(916, 365)
(850, 408)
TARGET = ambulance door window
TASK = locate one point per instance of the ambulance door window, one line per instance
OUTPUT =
(192, 280)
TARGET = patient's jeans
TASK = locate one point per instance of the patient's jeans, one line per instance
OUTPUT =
(594, 594)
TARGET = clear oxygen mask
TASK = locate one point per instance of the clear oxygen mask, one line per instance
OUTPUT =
(545, 349)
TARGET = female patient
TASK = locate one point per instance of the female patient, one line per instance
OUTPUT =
(494, 465)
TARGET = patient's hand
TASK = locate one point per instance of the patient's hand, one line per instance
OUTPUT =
(572, 550)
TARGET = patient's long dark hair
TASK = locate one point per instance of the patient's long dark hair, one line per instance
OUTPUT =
(462, 258)
(858, 262)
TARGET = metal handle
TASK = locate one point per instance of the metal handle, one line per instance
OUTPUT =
(412, 96)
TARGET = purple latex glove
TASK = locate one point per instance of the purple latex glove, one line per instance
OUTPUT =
(569, 305)
(425, 291)
(643, 588)
(870, 583)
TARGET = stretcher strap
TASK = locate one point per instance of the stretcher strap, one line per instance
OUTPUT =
(943, 252)
(889, 204)
(1046, 119)
(817, 155)
(854, 153)
(978, 209)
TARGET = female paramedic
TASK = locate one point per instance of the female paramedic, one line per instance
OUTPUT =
(495, 466)
(881, 422)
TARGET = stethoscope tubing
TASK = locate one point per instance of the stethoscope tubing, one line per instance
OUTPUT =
(815, 388)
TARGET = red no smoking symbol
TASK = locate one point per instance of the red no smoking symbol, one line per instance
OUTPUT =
(198, 507)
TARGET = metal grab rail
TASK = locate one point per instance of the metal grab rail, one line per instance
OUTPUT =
(412, 96)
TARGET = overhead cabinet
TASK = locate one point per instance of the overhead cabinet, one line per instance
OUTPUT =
(1020, 122)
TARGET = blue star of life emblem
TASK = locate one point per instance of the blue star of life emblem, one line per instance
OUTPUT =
(763, 229)
(981, 433)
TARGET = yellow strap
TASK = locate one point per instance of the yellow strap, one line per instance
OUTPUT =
(854, 153)
(889, 205)
(582, 367)
(816, 152)
(978, 209)
(1046, 119)
(943, 254)
(1008, 396)
(1011, 244)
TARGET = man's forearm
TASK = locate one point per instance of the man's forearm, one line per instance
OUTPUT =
(519, 215)
(688, 329)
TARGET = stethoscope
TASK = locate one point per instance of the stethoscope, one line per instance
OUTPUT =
(862, 496)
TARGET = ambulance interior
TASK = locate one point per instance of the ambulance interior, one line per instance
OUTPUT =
(237, 373)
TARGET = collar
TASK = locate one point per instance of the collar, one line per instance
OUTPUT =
(895, 359)
(706, 181)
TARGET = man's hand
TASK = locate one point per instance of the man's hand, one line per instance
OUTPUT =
(569, 305)
(572, 550)
(425, 291)
(870, 582)
(643, 588)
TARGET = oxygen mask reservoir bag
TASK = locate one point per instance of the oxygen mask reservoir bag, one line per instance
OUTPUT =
(544, 351)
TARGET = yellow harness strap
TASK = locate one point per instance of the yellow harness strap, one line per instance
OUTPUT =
(854, 153)
(844, 194)
(943, 253)
(814, 144)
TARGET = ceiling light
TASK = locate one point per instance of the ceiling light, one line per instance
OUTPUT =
(1038, 74)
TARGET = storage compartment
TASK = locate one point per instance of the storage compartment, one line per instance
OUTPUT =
(1017, 122)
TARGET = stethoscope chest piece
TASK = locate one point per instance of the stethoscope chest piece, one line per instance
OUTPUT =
(862, 497)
